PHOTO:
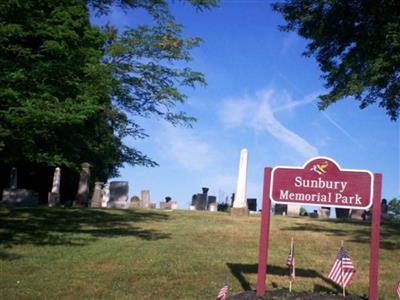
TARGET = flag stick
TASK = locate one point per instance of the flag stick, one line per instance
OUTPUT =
(291, 267)
(341, 261)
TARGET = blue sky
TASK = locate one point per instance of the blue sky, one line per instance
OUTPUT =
(261, 95)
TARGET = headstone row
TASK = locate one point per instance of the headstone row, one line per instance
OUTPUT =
(18, 196)
(202, 201)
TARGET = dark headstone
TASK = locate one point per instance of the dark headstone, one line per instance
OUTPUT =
(211, 201)
(194, 200)
(201, 201)
(384, 210)
(342, 213)
(13, 178)
(280, 209)
(118, 194)
(252, 204)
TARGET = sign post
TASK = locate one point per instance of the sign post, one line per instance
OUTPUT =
(264, 235)
(375, 233)
(321, 182)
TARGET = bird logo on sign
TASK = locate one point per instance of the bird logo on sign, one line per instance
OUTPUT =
(320, 168)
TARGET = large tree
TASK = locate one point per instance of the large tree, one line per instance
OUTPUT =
(357, 46)
(71, 92)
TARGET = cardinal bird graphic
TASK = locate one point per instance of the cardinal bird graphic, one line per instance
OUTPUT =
(320, 168)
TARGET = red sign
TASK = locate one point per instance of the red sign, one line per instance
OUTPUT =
(321, 182)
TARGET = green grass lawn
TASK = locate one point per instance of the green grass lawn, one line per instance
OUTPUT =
(149, 254)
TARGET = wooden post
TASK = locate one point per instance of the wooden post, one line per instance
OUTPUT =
(375, 233)
(264, 234)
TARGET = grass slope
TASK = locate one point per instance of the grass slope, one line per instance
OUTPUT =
(148, 254)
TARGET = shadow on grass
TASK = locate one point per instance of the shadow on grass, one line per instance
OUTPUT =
(72, 227)
(238, 270)
(360, 233)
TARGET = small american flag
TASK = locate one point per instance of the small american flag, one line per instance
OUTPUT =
(291, 262)
(398, 290)
(343, 269)
(223, 292)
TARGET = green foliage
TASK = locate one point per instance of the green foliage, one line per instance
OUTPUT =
(357, 46)
(394, 206)
(49, 87)
(303, 211)
(71, 92)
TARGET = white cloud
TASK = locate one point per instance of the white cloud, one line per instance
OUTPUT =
(262, 109)
(341, 129)
(291, 105)
(188, 149)
(234, 111)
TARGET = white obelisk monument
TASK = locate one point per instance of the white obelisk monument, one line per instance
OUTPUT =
(240, 202)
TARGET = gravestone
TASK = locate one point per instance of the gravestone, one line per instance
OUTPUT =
(135, 202)
(213, 206)
(105, 195)
(202, 199)
(193, 203)
(168, 204)
(174, 205)
(325, 212)
(13, 178)
(16, 196)
(20, 197)
(357, 214)
(82, 196)
(314, 214)
(252, 204)
(118, 194)
(384, 210)
(280, 209)
(239, 207)
(165, 205)
(199, 201)
(96, 197)
(145, 203)
(342, 213)
(211, 201)
(54, 195)
(293, 210)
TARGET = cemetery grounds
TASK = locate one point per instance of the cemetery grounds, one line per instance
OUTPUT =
(54, 253)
